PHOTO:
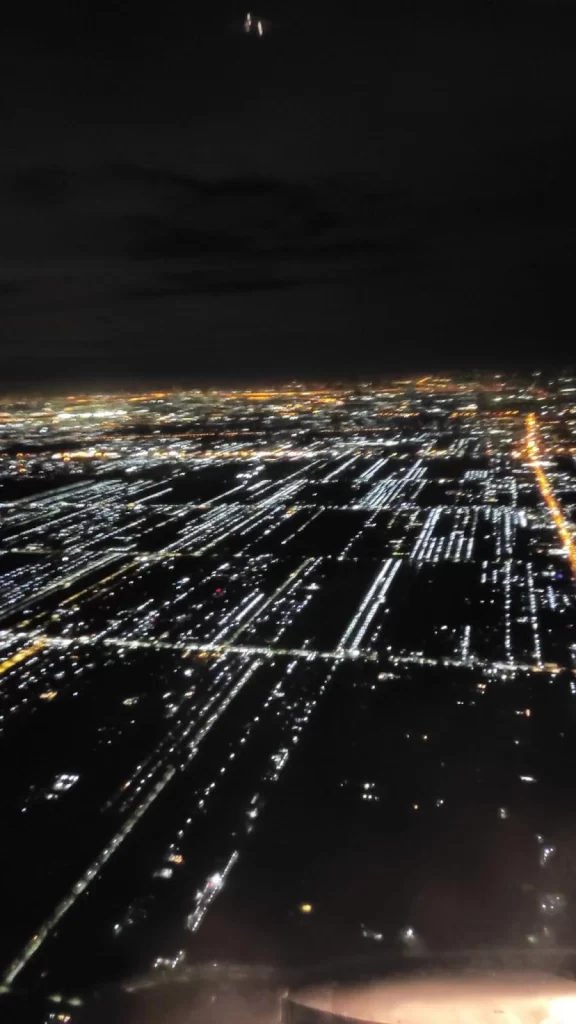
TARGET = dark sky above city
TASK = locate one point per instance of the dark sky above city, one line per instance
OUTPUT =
(372, 188)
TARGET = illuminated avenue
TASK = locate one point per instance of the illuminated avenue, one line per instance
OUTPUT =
(277, 665)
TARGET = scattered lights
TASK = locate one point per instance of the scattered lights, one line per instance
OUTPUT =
(546, 853)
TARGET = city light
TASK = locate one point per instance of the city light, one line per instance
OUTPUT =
(231, 618)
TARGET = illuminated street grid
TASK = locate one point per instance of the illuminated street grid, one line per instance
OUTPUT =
(188, 577)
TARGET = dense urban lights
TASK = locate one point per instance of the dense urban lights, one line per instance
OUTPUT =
(230, 619)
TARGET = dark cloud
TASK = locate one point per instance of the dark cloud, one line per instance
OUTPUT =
(203, 265)
(365, 191)
(209, 284)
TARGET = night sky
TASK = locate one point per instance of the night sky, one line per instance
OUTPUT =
(386, 188)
